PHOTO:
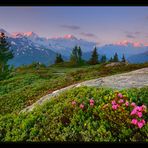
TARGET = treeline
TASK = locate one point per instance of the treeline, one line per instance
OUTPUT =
(76, 57)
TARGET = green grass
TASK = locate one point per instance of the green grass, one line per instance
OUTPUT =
(58, 121)
(29, 83)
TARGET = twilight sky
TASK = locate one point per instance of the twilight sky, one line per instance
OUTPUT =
(99, 24)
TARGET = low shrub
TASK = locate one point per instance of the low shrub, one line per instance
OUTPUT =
(81, 114)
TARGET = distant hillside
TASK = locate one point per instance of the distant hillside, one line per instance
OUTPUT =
(139, 58)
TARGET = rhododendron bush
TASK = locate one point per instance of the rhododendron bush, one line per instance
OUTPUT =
(122, 113)
(121, 104)
(119, 113)
(82, 114)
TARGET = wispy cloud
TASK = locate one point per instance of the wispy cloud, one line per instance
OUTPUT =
(137, 32)
(130, 36)
(72, 27)
(88, 34)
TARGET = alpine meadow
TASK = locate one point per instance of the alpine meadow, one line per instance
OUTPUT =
(74, 74)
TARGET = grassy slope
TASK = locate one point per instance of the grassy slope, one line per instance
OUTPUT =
(28, 84)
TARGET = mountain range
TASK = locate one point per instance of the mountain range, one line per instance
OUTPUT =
(139, 58)
(28, 47)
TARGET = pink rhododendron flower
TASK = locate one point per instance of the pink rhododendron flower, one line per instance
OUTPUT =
(82, 106)
(113, 102)
(73, 103)
(121, 101)
(139, 108)
(140, 124)
(114, 107)
(127, 103)
(91, 101)
(143, 121)
(91, 104)
(120, 95)
(133, 104)
(134, 111)
(134, 121)
(139, 114)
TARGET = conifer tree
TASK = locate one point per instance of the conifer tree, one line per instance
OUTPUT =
(74, 56)
(123, 59)
(111, 59)
(115, 59)
(58, 59)
(79, 52)
(103, 59)
(94, 57)
(5, 54)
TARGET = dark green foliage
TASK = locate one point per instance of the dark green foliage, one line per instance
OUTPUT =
(115, 59)
(6, 72)
(103, 59)
(5, 55)
(76, 56)
(94, 57)
(79, 55)
(123, 59)
(58, 59)
(111, 59)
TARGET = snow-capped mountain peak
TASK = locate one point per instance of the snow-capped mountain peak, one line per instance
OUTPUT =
(69, 36)
(31, 34)
(129, 43)
(24, 34)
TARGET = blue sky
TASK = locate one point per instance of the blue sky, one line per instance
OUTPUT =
(99, 24)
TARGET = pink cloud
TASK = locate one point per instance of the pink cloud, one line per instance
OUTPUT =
(123, 43)
(88, 34)
(126, 42)
(137, 44)
(145, 44)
